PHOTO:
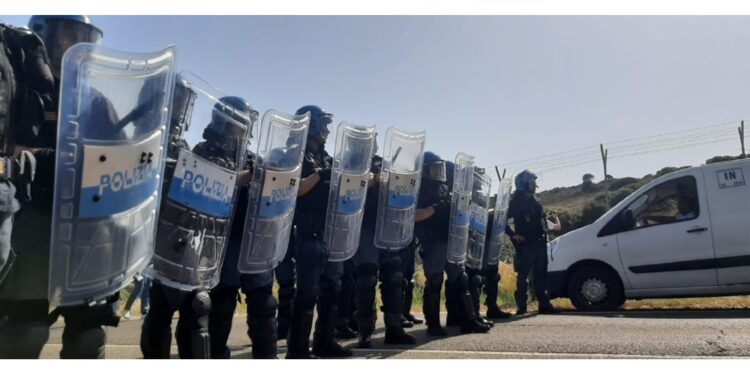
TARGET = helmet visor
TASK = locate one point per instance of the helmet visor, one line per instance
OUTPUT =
(436, 171)
(58, 35)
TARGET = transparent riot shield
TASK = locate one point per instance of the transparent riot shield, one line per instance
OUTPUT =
(112, 134)
(478, 211)
(346, 198)
(273, 191)
(399, 187)
(458, 230)
(499, 219)
(206, 153)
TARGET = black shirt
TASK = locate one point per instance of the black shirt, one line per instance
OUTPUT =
(310, 213)
(436, 227)
(528, 217)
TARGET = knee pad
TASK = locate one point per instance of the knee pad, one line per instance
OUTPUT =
(330, 286)
(261, 303)
(434, 282)
(312, 253)
(475, 281)
(492, 277)
(306, 297)
(367, 276)
(223, 299)
(462, 280)
(201, 303)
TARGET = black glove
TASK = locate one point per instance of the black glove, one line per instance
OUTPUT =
(325, 174)
(443, 206)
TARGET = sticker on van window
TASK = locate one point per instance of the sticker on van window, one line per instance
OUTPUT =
(730, 178)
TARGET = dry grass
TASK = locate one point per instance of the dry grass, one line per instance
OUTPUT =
(508, 287)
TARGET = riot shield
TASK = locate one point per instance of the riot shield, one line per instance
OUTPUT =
(480, 201)
(458, 229)
(112, 133)
(399, 187)
(499, 220)
(273, 191)
(206, 152)
(346, 198)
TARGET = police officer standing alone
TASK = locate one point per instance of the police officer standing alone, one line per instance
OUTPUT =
(530, 240)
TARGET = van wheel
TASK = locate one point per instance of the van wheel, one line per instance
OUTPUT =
(595, 288)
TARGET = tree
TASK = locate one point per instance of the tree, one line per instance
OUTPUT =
(588, 183)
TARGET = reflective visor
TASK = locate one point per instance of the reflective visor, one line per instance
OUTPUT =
(436, 171)
(58, 35)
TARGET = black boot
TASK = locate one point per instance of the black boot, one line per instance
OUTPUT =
(395, 336)
(298, 341)
(452, 318)
(470, 323)
(408, 299)
(324, 344)
(343, 332)
(431, 307)
(285, 306)
(494, 312)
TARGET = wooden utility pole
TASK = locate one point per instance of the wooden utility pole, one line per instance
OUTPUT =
(604, 159)
(741, 130)
(499, 176)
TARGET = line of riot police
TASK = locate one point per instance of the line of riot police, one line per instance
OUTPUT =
(143, 171)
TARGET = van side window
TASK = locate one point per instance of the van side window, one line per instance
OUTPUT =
(669, 202)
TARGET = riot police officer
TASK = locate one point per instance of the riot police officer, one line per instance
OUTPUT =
(222, 146)
(530, 240)
(432, 229)
(257, 287)
(373, 264)
(24, 296)
(318, 281)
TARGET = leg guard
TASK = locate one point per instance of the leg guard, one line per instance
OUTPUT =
(475, 287)
(391, 281)
(23, 329)
(491, 285)
(431, 300)
(261, 321)
(285, 277)
(156, 332)
(193, 339)
(330, 288)
(365, 298)
(223, 304)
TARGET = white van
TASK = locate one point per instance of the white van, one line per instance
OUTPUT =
(684, 234)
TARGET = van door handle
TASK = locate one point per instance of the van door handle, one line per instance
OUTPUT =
(697, 230)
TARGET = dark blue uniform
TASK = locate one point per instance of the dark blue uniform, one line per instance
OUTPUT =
(318, 281)
(373, 264)
(529, 221)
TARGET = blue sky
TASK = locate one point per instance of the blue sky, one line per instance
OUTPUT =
(501, 88)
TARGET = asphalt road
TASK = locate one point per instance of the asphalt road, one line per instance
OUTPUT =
(627, 334)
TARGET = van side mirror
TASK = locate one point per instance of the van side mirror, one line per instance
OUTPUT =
(628, 221)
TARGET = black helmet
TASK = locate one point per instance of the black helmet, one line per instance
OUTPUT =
(61, 32)
(433, 167)
(319, 120)
(228, 117)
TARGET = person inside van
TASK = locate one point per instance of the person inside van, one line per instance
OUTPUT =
(686, 210)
